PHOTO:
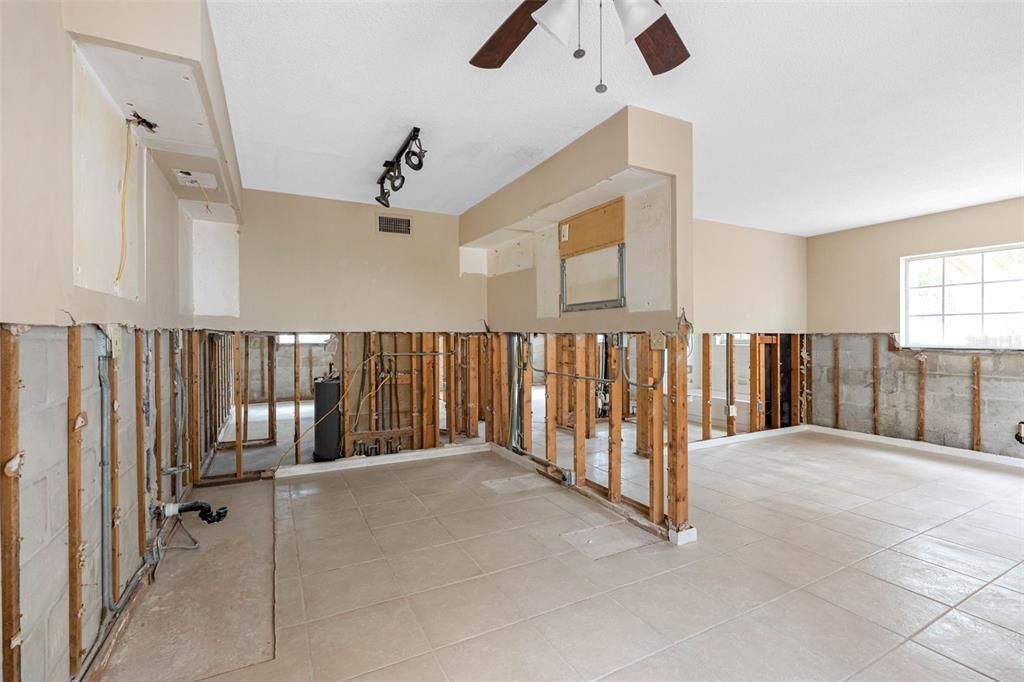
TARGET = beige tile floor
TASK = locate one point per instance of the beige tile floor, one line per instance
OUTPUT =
(818, 559)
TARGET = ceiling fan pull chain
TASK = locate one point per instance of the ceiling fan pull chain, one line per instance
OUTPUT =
(600, 87)
(578, 54)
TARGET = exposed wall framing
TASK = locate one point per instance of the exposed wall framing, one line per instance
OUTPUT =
(10, 521)
(76, 551)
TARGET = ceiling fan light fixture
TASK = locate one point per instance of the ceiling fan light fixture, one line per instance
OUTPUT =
(637, 16)
(557, 17)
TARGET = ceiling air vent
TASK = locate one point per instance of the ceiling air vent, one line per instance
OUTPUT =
(390, 224)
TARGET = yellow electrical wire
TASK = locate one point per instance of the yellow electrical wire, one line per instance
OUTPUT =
(124, 201)
(206, 196)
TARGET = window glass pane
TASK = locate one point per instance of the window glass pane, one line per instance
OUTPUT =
(963, 330)
(963, 269)
(737, 339)
(965, 298)
(1005, 264)
(924, 272)
(924, 301)
(1005, 331)
(1004, 297)
(925, 331)
(289, 339)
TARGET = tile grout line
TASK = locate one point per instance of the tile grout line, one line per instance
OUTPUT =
(802, 588)
(608, 590)
(948, 611)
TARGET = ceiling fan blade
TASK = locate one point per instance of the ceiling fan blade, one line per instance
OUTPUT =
(661, 46)
(507, 38)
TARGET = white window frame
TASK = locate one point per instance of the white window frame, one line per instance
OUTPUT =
(738, 339)
(304, 339)
(905, 290)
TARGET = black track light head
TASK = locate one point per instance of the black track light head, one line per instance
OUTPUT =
(413, 152)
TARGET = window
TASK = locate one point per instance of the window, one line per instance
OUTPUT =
(289, 339)
(965, 299)
(737, 339)
(594, 280)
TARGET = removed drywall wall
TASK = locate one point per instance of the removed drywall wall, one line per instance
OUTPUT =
(948, 393)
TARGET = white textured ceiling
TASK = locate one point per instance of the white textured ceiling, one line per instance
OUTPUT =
(808, 117)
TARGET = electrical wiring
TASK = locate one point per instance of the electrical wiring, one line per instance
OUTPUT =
(206, 197)
(336, 406)
(123, 262)
(371, 394)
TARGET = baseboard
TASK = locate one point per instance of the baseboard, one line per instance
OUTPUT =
(743, 437)
(347, 463)
(1006, 461)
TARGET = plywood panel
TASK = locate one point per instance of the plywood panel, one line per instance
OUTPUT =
(593, 229)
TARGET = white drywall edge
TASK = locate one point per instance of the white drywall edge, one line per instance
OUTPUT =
(346, 463)
(743, 437)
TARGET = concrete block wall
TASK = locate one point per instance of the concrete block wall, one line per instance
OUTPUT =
(44, 500)
(284, 374)
(44, 492)
(128, 501)
(167, 436)
(947, 393)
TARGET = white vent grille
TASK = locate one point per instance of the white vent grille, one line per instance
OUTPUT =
(390, 224)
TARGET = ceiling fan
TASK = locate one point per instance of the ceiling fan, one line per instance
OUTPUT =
(644, 21)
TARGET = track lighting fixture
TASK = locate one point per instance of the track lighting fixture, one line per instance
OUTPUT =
(384, 197)
(414, 156)
(413, 152)
(394, 175)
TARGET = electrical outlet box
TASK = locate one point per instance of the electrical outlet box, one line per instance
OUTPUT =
(730, 410)
(657, 341)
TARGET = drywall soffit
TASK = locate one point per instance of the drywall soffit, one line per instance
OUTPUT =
(161, 90)
(170, 163)
(625, 182)
(176, 88)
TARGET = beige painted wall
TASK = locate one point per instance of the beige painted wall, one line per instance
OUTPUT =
(649, 217)
(320, 265)
(160, 26)
(853, 276)
(98, 148)
(664, 144)
(512, 307)
(37, 234)
(631, 138)
(748, 280)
